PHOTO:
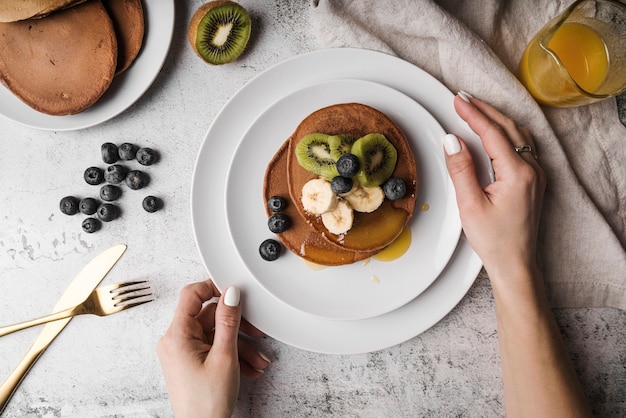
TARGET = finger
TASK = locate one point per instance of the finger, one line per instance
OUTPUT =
(462, 172)
(192, 297)
(227, 320)
(249, 329)
(206, 317)
(250, 355)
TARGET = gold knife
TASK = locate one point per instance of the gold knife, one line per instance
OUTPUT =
(82, 285)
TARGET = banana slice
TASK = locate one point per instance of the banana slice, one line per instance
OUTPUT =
(366, 199)
(318, 197)
(339, 220)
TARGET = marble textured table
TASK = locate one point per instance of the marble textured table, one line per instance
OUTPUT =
(107, 367)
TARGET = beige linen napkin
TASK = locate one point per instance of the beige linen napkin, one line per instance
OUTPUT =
(475, 45)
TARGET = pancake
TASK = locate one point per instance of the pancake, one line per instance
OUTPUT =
(61, 64)
(14, 10)
(307, 237)
(127, 17)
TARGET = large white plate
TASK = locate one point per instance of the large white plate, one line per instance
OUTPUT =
(263, 310)
(126, 88)
(354, 294)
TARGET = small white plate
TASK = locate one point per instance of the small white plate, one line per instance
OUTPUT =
(126, 88)
(344, 292)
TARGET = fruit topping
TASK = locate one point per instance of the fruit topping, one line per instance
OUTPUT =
(378, 159)
(91, 225)
(115, 173)
(340, 144)
(313, 153)
(108, 212)
(88, 206)
(94, 175)
(278, 223)
(127, 151)
(318, 196)
(110, 192)
(146, 156)
(339, 220)
(348, 165)
(136, 179)
(69, 205)
(219, 31)
(394, 188)
(366, 199)
(151, 204)
(341, 185)
(270, 249)
(276, 204)
(109, 152)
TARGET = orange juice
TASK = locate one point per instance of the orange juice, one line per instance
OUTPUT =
(582, 54)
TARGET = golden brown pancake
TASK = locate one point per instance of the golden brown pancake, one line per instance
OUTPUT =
(61, 64)
(127, 17)
(14, 10)
(307, 237)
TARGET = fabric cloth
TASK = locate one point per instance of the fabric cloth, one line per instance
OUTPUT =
(475, 45)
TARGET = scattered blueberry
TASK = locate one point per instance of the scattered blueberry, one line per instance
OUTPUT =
(108, 212)
(136, 179)
(276, 203)
(91, 225)
(69, 205)
(115, 173)
(110, 192)
(270, 249)
(94, 175)
(394, 188)
(146, 156)
(88, 206)
(109, 152)
(348, 165)
(151, 204)
(127, 151)
(278, 223)
(341, 185)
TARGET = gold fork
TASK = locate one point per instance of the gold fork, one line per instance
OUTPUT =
(102, 301)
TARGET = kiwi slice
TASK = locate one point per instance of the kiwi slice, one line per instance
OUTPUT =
(313, 153)
(378, 159)
(219, 31)
(340, 144)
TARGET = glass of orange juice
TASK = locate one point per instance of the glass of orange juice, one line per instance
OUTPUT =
(579, 57)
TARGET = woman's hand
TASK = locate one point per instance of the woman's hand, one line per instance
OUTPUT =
(501, 220)
(202, 355)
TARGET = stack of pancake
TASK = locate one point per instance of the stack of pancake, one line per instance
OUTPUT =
(60, 56)
(372, 232)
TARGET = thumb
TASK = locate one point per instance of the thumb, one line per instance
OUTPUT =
(462, 171)
(227, 320)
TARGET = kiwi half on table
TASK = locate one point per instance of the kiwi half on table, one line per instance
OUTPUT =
(219, 31)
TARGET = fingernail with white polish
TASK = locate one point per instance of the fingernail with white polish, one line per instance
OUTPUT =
(451, 144)
(264, 357)
(465, 96)
(231, 298)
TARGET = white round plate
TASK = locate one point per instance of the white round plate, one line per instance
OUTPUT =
(125, 89)
(354, 294)
(277, 319)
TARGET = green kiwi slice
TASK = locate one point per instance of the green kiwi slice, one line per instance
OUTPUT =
(378, 159)
(314, 154)
(340, 144)
(219, 31)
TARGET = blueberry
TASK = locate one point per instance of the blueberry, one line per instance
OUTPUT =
(276, 203)
(341, 185)
(394, 188)
(127, 151)
(278, 223)
(109, 152)
(115, 173)
(146, 156)
(110, 192)
(348, 165)
(88, 206)
(108, 212)
(94, 175)
(270, 249)
(69, 205)
(91, 225)
(136, 179)
(151, 204)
